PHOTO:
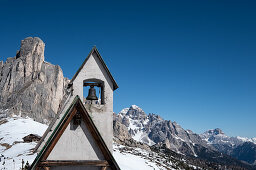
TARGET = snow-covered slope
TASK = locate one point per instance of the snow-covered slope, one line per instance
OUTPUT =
(147, 159)
(138, 162)
(13, 149)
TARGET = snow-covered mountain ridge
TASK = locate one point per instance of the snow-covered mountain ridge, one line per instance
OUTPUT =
(151, 129)
(217, 136)
(238, 147)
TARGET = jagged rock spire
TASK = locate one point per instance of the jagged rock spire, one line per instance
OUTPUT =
(30, 86)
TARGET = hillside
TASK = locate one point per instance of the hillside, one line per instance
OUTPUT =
(14, 149)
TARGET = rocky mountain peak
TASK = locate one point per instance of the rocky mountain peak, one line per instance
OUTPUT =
(216, 131)
(153, 129)
(154, 117)
(123, 111)
(31, 45)
(29, 85)
(135, 112)
(135, 107)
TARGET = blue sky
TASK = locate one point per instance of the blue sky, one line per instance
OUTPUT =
(193, 62)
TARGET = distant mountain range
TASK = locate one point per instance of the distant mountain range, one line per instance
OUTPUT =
(153, 130)
(238, 147)
(217, 136)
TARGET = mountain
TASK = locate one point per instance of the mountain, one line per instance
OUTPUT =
(29, 85)
(245, 152)
(217, 136)
(132, 126)
(238, 147)
(152, 129)
(220, 141)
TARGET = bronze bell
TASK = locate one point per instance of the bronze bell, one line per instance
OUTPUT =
(92, 94)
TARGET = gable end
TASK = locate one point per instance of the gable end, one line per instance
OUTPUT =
(94, 49)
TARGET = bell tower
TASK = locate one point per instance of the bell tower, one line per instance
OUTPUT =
(94, 84)
(81, 134)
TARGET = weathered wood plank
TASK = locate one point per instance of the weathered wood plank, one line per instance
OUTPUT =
(48, 163)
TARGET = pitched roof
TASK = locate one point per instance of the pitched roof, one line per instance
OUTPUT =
(94, 49)
(64, 101)
(76, 106)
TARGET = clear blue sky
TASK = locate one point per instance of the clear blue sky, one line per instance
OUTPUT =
(193, 62)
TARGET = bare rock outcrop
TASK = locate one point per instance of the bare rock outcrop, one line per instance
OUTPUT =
(120, 131)
(152, 130)
(30, 86)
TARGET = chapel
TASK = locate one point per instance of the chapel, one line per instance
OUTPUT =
(81, 134)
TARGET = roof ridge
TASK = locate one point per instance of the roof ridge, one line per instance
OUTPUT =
(94, 49)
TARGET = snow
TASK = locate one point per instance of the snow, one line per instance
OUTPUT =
(254, 140)
(128, 161)
(20, 148)
(129, 158)
(11, 134)
(135, 107)
(146, 121)
(16, 128)
(124, 111)
(179, 138)
(132, 124)
(244, 139)
(140, 135)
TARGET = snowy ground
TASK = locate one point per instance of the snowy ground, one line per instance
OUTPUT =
(128, 161)
(13, 149)
(130, 158)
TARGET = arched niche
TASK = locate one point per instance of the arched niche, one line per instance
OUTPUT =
(97, 83)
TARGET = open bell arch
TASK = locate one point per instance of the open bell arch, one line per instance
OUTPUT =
(100, 84)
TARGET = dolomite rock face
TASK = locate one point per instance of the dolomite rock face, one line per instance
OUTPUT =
(152, 130)
(30, 86)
